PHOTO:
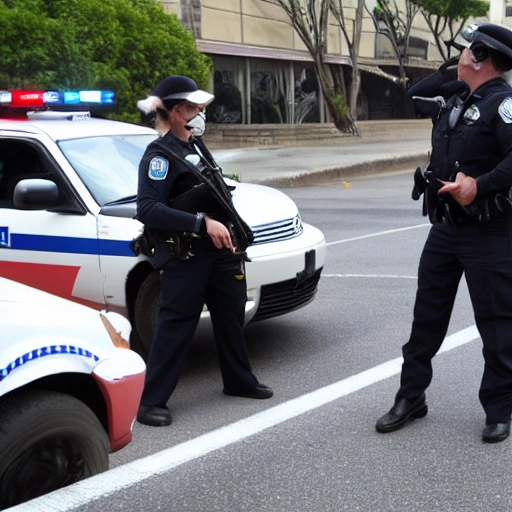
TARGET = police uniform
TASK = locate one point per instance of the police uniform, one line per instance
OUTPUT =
(472, 134)
(479, 145)
(212, 276)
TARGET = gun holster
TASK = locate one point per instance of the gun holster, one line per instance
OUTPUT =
(420, 183)
(426, 184)
(144, 244)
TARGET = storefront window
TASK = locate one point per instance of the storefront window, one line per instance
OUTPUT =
(306, 95)
(226, 108)
(263, 91)
(228, 88)
(267, 99)
(270, 88)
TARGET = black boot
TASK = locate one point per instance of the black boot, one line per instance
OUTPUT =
(496, 432)
(260, 391)
(404, 411)
(154, 416)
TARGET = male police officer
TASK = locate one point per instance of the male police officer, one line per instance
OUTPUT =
(466, 188)
(187, 216)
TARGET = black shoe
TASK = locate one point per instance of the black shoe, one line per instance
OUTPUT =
(260, 391)
(154, 416)
(496, 432)
(404, 411)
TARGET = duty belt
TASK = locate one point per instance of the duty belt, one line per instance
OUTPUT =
(445, 209)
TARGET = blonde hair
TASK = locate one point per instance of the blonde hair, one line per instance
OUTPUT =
(154, 113)
(150, 105)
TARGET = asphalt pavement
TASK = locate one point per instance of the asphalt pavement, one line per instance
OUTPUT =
(383, 146)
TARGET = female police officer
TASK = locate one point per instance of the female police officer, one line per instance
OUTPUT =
(467, 197)
(194, 252)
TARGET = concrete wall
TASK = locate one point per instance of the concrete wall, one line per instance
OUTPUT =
(498, 12)
(171, 6)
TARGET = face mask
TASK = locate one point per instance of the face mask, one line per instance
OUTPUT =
(197, 125)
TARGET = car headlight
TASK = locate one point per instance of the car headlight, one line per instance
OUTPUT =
(118, 328)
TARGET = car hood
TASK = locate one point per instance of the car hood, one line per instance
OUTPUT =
(29, 313)
(256, 204)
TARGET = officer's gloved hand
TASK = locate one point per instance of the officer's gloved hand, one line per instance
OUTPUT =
(431, 85)
(431, 92)
(428, 107)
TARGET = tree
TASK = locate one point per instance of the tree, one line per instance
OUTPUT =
(353, 47)
(448, 17)
(391, 22)
(123, 45)
(309, 18)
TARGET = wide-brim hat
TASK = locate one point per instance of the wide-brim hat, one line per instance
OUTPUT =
(177, 87)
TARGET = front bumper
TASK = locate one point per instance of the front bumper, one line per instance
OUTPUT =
(283, 276)
(121, 381)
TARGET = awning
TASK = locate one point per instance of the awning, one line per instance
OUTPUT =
(218, 48)
(377, 71)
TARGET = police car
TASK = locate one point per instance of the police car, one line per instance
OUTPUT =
(67, 203)
(69, 391)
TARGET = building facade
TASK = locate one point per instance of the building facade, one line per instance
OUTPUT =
(500, 11)
(264, 74)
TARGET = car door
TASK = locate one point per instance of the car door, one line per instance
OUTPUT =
(54, 248)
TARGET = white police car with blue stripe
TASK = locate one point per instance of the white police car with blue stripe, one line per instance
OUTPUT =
(67, 204)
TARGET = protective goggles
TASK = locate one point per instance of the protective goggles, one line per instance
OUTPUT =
(479, 51)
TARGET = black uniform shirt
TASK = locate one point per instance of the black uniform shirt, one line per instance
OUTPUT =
(160, 180)
(480, 143)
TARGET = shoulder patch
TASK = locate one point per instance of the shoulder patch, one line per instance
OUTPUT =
(158, 168)
(505, 110)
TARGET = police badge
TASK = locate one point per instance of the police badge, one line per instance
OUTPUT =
(158, 168)
(472, 115)
(505, 110)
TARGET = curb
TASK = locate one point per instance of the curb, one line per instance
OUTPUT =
(319, 176)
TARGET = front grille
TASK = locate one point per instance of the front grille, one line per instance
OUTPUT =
(280, 298)
(277, 231)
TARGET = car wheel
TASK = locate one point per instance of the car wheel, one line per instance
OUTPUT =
(47, 440)
(146, 310)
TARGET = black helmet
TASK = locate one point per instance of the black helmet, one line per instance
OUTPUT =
(490, 36)
(175, 88)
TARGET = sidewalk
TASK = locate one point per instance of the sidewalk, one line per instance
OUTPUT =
(382, 146)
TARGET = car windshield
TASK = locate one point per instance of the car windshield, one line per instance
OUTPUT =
(109, 165)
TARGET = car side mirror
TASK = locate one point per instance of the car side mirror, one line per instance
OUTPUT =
(35, 194)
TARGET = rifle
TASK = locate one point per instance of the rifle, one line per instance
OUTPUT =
(211, 176)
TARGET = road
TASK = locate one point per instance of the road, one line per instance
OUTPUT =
(334, 366)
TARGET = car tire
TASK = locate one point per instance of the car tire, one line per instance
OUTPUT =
(48, 440)
(146, 311)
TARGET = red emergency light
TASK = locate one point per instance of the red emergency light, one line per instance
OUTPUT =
(22, 98)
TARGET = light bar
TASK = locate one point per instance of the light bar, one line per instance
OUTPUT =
(38, 99)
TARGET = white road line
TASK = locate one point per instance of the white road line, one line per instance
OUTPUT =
(373, 276)
(102, 485)
(390, 231)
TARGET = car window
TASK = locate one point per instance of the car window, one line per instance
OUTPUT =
(18, 160)
(108, 166)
